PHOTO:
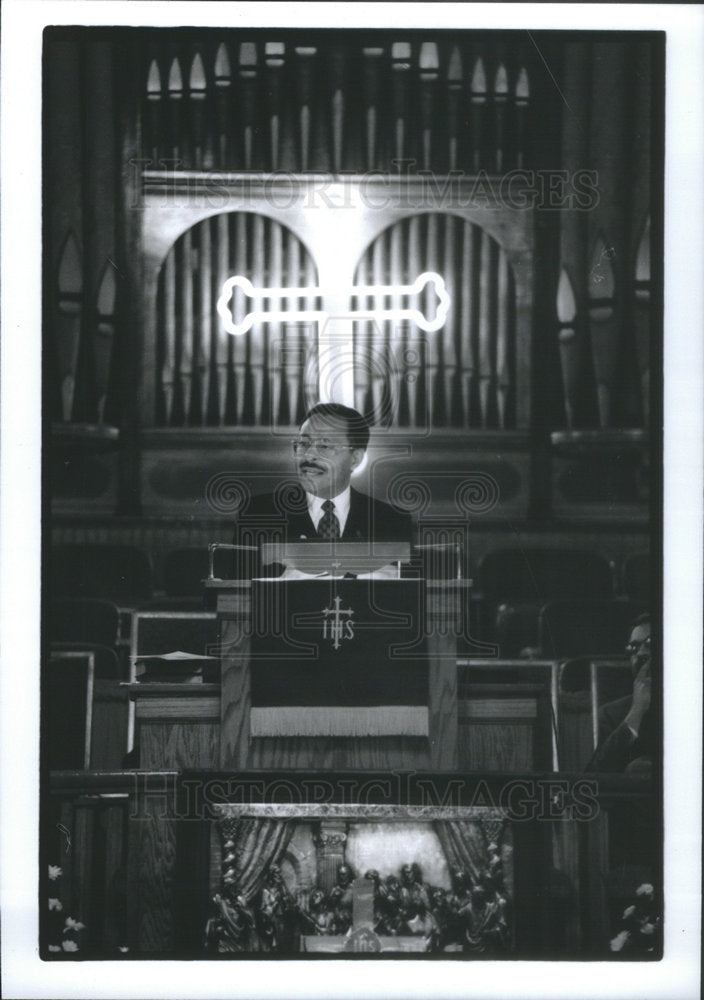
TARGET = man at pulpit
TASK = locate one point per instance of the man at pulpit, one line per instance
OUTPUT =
(330, 446)
(335, 669)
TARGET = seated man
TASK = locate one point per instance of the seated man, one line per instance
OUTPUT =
(626, 726)
(331, 444)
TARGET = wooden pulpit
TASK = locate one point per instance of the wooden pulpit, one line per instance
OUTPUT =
(339, 672)
(374, 686)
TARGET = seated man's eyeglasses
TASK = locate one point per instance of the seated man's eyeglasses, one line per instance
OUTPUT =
(323, 446)
(635, 645)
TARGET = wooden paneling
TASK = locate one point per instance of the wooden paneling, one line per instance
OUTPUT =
(443, 615)
(236, 698)
(177, 728)
(92, 855)
(503, 727)
(113, 932)
(179, 745)
(495, 746)
(576, 738)
(374, 753)
(83, 842)
(109, 725)
(153, 860)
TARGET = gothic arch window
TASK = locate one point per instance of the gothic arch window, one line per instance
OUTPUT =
(464, 375)
(204, 376)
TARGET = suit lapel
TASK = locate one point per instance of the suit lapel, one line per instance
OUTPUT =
(299, 526)
(356, 525)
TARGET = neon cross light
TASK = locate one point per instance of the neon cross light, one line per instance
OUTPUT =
(428, 278)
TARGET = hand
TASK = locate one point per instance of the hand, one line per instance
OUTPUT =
(641, 688)
(640, 702)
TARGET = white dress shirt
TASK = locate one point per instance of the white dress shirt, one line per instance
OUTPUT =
(342, 507)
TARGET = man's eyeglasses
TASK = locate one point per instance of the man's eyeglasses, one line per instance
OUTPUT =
(323, 446)
(635, 646)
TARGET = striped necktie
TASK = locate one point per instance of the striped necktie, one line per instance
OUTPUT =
(328, 525)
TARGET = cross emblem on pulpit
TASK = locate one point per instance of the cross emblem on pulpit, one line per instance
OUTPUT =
(334, 627)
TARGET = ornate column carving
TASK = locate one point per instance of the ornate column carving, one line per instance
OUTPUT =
(330, 840)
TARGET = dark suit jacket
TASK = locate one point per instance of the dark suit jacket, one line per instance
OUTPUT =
(283, 516)
(635, 833)
(617, 746)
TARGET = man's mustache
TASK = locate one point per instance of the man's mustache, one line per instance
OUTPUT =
(311, 465)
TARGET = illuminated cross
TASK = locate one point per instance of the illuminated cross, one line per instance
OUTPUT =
(321, 316)
(327, 319)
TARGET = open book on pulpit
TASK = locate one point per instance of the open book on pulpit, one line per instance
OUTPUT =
(334, 558)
